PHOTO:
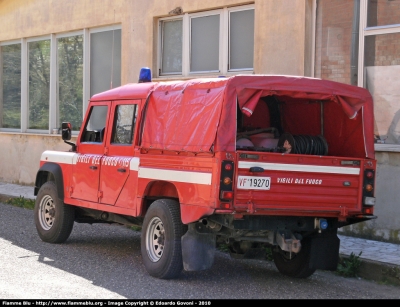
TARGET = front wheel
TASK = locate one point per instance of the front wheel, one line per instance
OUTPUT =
(53, 219)
(294, 265)
(161, 239)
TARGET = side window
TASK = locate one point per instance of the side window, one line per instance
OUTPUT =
(124, 124)
(95, 126)
(218, 41)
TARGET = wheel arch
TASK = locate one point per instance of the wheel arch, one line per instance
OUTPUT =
(158, 190)
(50, 172)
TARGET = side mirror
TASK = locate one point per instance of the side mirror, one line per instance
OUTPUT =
(66, 129)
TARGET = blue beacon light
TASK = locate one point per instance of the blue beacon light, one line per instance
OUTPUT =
(145, 75)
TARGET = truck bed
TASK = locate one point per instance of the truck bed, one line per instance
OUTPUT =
(282, 184)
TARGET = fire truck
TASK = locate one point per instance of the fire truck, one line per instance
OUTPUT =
(253, 161)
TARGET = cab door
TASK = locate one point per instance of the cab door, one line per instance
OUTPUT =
(91, 146)
(115, 169)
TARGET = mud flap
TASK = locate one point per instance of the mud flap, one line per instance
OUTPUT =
(324, 253)
(198, 249)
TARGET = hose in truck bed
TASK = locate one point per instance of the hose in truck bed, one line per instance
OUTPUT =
(304, 144)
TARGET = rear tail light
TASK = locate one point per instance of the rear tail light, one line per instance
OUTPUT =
(225, 184)
(369, 187)
(225, 205)
(226, 195)
(368, 190)
(227, 181)
(368, 211)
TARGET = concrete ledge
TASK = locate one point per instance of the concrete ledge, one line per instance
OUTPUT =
(380, 272)
(4, 198)
(14, 191)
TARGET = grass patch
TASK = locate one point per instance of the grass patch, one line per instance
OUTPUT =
(223, 247)
(392, 272)
(21, 202)
(268, 254)
(391, 276)
(136, 228)
(349, 267)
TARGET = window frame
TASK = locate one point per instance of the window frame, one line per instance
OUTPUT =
(55, 109)
(161, 45)
(220, 41)
(25, 75)
(87, 47)
(372, 31)
(224, 51)
(54, 80)
(231, 10)
(8, 43)
(116, 121)
(89, 122)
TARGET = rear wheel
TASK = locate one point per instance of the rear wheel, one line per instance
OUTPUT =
(161, 239)
(294, 265)
(53, 219)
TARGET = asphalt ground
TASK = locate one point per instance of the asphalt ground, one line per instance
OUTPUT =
(379, 261)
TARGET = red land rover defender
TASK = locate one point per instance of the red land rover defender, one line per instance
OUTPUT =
(254, 161)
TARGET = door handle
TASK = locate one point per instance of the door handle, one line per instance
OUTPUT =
(121, 170)
(93, 167)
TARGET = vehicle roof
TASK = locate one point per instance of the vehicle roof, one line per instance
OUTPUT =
(127, 91)
(204, 108)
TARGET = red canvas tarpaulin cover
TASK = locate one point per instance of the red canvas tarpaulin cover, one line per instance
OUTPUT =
(200, 115)
(184, 116)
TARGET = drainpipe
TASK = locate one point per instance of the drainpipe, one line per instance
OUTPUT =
(354, 43)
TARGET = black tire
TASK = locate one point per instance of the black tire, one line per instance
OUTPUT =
(53, 219)
(161, 239)
(294, 265)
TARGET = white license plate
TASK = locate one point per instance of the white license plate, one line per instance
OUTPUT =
(253, 183)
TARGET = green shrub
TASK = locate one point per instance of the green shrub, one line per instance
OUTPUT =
(268, 254)
(223, 247)
(349, 267)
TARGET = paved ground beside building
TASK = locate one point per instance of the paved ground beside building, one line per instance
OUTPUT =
(380, 261)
